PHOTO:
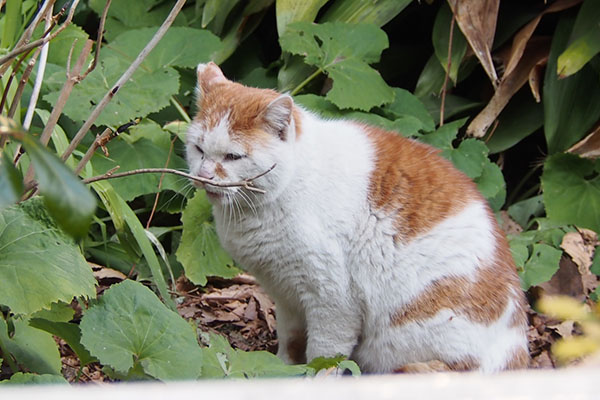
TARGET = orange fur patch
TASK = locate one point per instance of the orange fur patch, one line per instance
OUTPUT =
(413, 182)
(220, 171)
(244, 107)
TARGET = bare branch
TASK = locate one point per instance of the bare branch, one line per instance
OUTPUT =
(22, 82)
(39, 78)
(123, 79)
(98, 40)
(100, 141)
(45, 39)
(246, 183)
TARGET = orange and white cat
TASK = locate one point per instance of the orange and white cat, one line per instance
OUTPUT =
(370, 244)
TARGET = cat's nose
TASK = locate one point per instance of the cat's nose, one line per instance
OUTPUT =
(206, 174)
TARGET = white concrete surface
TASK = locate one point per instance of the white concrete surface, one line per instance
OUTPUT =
(570, 384)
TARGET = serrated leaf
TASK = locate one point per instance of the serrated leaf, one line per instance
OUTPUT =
(571, 105)
(442, 138)
(407, 104)
(68, 200)
(58, 312)
(21, 378)
(130, 327)
(151, 85)
(571, 188)
(200, 252)
(470, 157)
(522, 211)
(34, 349)
(541, 265)
(141, 154)
(11, 184)
(491, 185)
(39, 264)
(344, 52)
(441, 38)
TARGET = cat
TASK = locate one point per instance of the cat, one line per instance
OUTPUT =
(371, 244)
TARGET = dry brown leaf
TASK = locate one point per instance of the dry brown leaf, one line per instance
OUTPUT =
(250, 313)
(101, 272)
(536, 77)
(188, 311)
(566, 281)
(580, 246)
(509, 226)
(564, 328)
(537, 49)
(477, 21)
(588, 147)
(543, 360)
(266, 308)
(521, 39)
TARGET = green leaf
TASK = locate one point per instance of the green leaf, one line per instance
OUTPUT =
(11, 184)
(21, 378)
(344, 52)
(34, 349)
(151, 85)
(39, 265)
(522, 211)
(220, 360)
(541, 265)
(521, 117)
(59, 138)
(141, 154)
(68, 200)
(358, 11)
(431, 79)
(571, 188)
(129, 228)
(288, 11)
(441, 38)
(571, 105)
(12, 23)
(595, 268)
(407, 104)
(585, 40)
(58, 312)
(130, 327)
(491, 185)
(60, 47)
(200, 252)
(470, 157)
(442, 138)
(69, 332)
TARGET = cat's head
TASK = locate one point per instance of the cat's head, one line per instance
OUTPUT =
(238, 133)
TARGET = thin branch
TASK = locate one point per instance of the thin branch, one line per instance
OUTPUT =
(98, 41)
(448, 65)
(39, 78)
(123, 79)
(22, 82)
(45, 39)
(160, 182)
(100, 141)
(246, 183)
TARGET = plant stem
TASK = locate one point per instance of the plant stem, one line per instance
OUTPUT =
(306, 81)
(8, 358)
(180, 109)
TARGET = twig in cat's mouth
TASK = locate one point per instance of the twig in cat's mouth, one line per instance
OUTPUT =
(246, 183)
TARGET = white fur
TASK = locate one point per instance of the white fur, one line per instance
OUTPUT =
(330, 261)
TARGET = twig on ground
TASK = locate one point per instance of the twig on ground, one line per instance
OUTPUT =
(246, 183)
(123, 79)
(448, 65)
(47, 35)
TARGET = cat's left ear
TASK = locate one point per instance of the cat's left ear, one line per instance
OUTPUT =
(278, 116)
(208, 75)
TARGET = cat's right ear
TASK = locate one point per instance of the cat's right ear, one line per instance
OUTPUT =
(278, 116)
(208, 75)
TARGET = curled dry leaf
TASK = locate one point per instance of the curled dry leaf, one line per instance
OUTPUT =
(580, 247)
(588, 147)
(566, 281)
(477, 21)
(537, 49)
(536, 77)
(521, 39)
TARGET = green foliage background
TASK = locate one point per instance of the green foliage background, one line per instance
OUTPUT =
(383, 62)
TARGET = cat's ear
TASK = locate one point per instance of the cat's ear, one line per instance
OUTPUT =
(208, 75)
(278, 116)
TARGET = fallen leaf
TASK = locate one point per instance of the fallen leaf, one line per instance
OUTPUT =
(536, 78)
(588, 147)
(564, 329)
(509, 226)
(537, 49)
(581, 252)
(266, 309)
(521, 39)
(566, 281)
(250, 312)
(477, 21)
(101, 272)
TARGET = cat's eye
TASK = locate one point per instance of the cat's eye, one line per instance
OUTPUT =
(233, 157)
(199, 149)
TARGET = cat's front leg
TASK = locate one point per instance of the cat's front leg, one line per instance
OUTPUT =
(333, 328)
(291, 334)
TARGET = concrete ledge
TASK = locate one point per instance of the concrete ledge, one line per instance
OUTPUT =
(571, 384)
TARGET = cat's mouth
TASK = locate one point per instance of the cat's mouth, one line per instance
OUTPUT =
(214, 195)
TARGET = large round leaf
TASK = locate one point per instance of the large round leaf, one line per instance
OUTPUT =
(130, 329)
(39, 265)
